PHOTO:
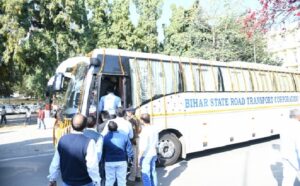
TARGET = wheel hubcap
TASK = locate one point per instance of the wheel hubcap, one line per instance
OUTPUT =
(166, 148)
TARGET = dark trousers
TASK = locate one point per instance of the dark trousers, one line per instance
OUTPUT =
(3, 118)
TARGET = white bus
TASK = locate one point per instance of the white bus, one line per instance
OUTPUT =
(195, 104)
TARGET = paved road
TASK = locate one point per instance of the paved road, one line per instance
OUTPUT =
(26, 154)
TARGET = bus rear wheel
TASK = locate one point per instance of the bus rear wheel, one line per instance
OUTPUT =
(169, 149)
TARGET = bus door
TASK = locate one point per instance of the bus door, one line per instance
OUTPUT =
(119, 84)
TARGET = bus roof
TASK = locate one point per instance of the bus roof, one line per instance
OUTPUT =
(162, 57)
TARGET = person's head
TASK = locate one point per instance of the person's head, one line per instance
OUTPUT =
(3, 107)
(130, 111)
(91, 122)
(79, 122)
(145, 118)
(110, 89)
(112, 126)
(105, 115)
(120, 112)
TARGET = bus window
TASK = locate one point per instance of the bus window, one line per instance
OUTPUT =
(285, 82)
(148, 81)
(255, 81)
(209, 78)
(172, 77)
(265, 79)
(262, 81)
(246, 81)
(297, 81)
(190, 82)
(236, 79)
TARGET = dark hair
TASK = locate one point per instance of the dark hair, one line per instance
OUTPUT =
(105, 114)
(79, 122)
(3, 107)
(112, 126)
(145, 117)
(110, 89)
(91, 121)
(120, 112)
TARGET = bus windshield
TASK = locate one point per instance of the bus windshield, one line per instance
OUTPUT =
(74, 93)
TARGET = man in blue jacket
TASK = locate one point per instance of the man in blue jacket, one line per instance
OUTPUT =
(117, 151)
(75, 158)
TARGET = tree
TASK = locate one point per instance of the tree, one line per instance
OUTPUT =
(271, 12)
(98, 23)
(38, 35)
(121, 28)
(192, 34)
(146, 31)
(188, 33)
(9, 34)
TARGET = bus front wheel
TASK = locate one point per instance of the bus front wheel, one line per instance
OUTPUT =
(169, 149)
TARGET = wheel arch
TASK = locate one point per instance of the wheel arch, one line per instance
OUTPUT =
(179, 136)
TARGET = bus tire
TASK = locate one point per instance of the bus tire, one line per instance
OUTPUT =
(169, 149)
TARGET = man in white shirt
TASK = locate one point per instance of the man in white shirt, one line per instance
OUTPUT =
(290, 148)
(110, 102)
(147, 151)
(75, 158)
(124, 126)
(27, 116)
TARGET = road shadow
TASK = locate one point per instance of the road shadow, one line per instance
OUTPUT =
(26, 148)
(166, 177)
(230, 147)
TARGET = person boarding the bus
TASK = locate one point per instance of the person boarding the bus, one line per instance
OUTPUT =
(75, 158)
(147, 151)
(135, 173)
(124, 126)
(117, 151)
(104, 118)
(290, 148)
(110, 102)
(92, 133)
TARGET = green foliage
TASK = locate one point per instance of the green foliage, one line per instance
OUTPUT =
(190, 34)
(146, 31)
(35, 36)
(121, 27)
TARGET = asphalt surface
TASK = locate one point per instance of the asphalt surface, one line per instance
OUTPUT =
(26, 153)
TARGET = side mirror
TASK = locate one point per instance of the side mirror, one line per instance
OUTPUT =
(58, 82)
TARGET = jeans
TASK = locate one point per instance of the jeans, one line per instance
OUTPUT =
(149, 176)
(41, 121)
(115, 170)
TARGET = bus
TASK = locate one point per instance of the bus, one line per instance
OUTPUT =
(195, 104)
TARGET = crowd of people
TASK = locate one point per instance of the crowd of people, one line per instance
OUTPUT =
(119, 151)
